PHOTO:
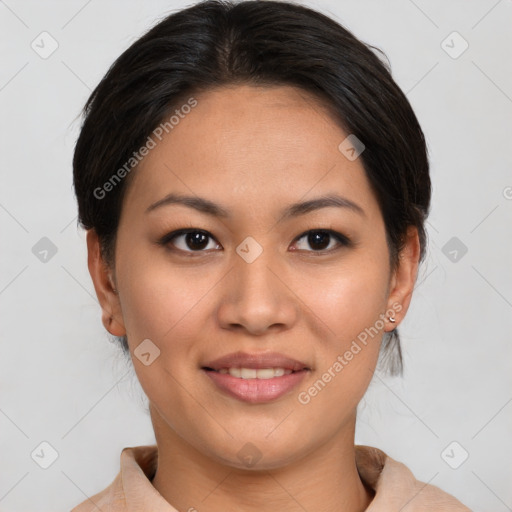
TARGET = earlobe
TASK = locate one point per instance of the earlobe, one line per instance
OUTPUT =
(103, 281)
(404, 278)
(111, 324)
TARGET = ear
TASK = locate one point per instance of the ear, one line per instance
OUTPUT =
(103, 281)
(404, 278)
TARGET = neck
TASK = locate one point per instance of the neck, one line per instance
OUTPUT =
(324, 481)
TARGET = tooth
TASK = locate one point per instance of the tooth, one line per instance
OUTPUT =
(253, 373)
(235, 372)
(266, 373)
(248, 373)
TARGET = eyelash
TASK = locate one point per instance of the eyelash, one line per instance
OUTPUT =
(343, 240)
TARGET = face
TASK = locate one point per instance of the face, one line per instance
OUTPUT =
(312, 284)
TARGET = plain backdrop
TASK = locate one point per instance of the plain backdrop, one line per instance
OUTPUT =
(63, 383)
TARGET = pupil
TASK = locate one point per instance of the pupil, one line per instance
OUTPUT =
(196, 240)
(317, 238)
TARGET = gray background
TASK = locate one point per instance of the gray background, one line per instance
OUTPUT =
(64, 383)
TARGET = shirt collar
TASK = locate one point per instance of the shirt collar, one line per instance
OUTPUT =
(394, 484)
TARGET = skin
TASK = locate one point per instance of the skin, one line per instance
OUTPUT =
(253, 150)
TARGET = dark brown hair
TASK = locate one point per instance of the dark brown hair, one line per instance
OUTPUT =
(262, 42)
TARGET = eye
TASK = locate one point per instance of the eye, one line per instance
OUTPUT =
(321, 238)
(196, 240)
(190, 240)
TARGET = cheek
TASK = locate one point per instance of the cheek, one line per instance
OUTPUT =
(158, 297)
(348, 298)
(350, 302)
(165, 304)
(346, 359)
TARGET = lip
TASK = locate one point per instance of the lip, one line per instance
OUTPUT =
(256, 390)
(256, 361)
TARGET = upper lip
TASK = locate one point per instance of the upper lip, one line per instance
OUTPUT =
(256, 361)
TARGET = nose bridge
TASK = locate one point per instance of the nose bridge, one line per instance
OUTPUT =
(253, 274)
(255, 297)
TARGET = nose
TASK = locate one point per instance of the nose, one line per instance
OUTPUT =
(257, 298)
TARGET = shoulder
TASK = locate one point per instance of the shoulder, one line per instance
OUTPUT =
(137, 464)
(111, 498)
(396, 488)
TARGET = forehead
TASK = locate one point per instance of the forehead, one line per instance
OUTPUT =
(251, 148)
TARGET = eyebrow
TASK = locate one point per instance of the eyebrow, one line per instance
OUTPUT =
(294, 210)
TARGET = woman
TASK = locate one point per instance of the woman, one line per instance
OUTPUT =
(254, 187)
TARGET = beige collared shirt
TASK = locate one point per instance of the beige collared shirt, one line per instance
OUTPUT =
(396, 488)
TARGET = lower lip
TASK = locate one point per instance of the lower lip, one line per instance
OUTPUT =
(256, 390)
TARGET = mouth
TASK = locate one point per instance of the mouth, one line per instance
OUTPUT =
(255, 378)
(254, 373)
(243, 364)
